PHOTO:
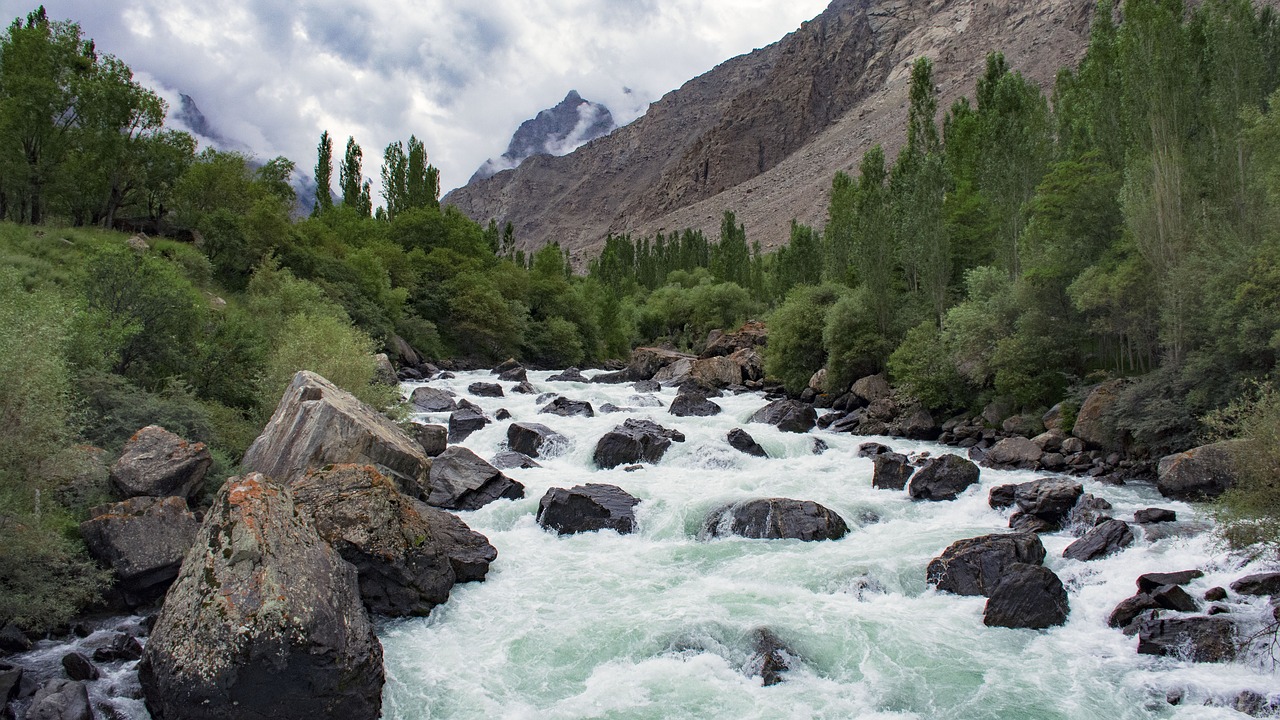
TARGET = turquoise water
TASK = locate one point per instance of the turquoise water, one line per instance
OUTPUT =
(660, 624)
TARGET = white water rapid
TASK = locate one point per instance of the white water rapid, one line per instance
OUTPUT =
(660, 623)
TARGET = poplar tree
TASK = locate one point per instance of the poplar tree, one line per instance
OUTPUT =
(324, 174)
(355, 189)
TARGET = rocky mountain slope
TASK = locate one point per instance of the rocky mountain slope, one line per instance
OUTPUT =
(555, 131)
(762, 134)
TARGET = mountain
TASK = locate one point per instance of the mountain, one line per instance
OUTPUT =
(762, 134)
(559, 130)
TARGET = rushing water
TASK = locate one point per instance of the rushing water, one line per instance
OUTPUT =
(660, 624)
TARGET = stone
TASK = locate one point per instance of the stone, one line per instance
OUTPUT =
(265, 620)
(483, 389)
(1201, 473)
(634, 441)
(143, 541)
(891, 471)
(716, 372)
(433, 439)
(1215, 594)
(771, 658)
(515, 375)
(79, 667)
(997, 410)
(1267, 583)
(430, 399)
(505, 366)
(588, 508)
(1018, 452)
(742, 441)
(462, 480)
(405, 352)
(1089, 510)
(1027, 596)
(318, 424)
(1052, 418)
(157, 463)
(1027, 522)
(1172, 597)
(1022, 425)
(973, 566)
(13, 640)
(871, 449)
(943, 478)
(1100, 541)
(510, 459)
(122, 646)
(1049, 441)
(818, 381)
(871, 388)
(647, 361)
(787, 415)
(10, 684)
(465, 421)
(402, 569)
(60, 699)
(776, 518)
(1199, 639)
(1072, 446)
(564, 407)
(750, 363)
(469, 552)
(820, 446)
(1050, 499)
(384, 372)
(1130, 608)
(915, 423)
(1093, 422)
(753, 334)
(1002, 496)
(524, 388)
(536, 440)
(646, 386)
(572, 374)
(1148, 582)
(1154, 515)
(693, 404)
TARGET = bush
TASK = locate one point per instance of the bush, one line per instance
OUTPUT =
(1249, 513)
(855, 348)
(922, 367)
(554, 343)
(45, 575)
(796, 350)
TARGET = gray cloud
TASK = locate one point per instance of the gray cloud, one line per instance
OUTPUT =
(460, 75)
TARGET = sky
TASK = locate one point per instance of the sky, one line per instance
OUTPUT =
(461, 75)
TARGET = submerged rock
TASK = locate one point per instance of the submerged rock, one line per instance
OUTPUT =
(535, 439)
(1101, 541)
(771, 658)
(462, 480)
(974, 566)
(573, 374)
(776, 518)
(587, 508)
(157, 463)
(742, 441)
(1199, 639)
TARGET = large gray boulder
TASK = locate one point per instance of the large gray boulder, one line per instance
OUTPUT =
(143, 541)
(402, 568)
(462, 480)
(1102, 540)
(464, 421)
(60, 699)
(871, 388)
(1197, 638)
(693, 404)
(430, 399)
(1027, 596)
(716, 372)
(468, 551)
(634, 441)
(535, 439)
(264, 621)
(1050, 499)
(564, 407)
(776, 518)
(1018, 452)
(787, 415)
(1267, 583)
(943, 478)
(974, 566)
(318, 424)
(587, 508)
(647, 361)
(891, 471)
(1094, 424)
(157, 463)
(1201, 473)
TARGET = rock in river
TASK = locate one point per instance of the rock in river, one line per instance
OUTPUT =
(776, 518)
(634, 441)
(462, 480)
(943, 478)
(587, 508)
(974, 566)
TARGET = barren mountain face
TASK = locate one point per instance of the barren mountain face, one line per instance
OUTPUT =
(762, 134)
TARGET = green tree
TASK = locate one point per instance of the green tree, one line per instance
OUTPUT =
(324, 174)
(355, 189)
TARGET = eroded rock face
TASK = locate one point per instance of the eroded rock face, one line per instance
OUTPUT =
(318, 424)
(1014, 452)
(468, 551)
(787, 415)
(753, 334)
(717, 372)
(402, 568)
(157, 463)
(634, 441)
(1027, 596)
(264, 621)
(462, 480)
(647, 361)
(1201, 473)
(60, 699)
(943, 478)
(1050, 499)
(142, 540)
(587, 508)
(975, 565)
(535, 439)
(776, 518)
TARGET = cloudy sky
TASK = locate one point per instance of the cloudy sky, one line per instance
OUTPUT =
(460, 74)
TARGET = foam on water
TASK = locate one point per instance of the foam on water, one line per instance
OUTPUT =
(660, 624)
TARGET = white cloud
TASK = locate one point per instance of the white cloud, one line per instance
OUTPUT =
(460, 74)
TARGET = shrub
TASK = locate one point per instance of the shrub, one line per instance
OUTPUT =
(796, 350)
(922, 367)
(855, 348)
(1249, 513)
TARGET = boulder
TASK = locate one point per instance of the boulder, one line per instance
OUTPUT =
(79, 667)
(60, 699)
(402, 569)
(587, 508)
(1154, 515)
(974, 566)
(384, 372)
(564, 407)
(1267, 583)
(157, 463)
(516, 375)
(1130, 608)
(646, 386)
(1089, 510)
(871, 449)
(1199, 639)
(943, 478)
(1018, 452)
(1093, 422)
(776, 518)
(510, 459)
(1201, 473)
(572, 374)
(916, 423)
(464, 421)
(997, 410)
(484, 389)
(430, 399)
(462, 480)
(505, 366)
(818, 381)
(742, 441)
(771, 658)
(1172, 597)
(647, 361)
(1026, 522)
(891, 472)
(524, 388)
(693, 404)
(318, 424)
(787, 415)
(634, 441)
(1049, 441)
(120, 646)
(1148, 582)
(1027, 596)
(1100, 541)
(433, 439)
(265, 620)
(717, 372)
(753, 334)
(535, 440)
(1023, 425)
(1072, 446)
(750, 362)
(1002, 496)
(143, 541)
(871, 388)
(468, 551)
(612, 378)
(1050, 499)
(677, 373)
(1052, 419)
(404, 352)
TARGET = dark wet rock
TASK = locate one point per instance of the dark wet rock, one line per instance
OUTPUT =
(943, 478)
(464, 421)
(776, 518)
(1100, 541)
(771, 658)
(1199, 639)
(1027, 522)
(693, 404)
(60, 700)
(143, 541)
(1027, 596)
(572, 374)
(318, 424)
(610, 409)
(1201, 473)
(265, 620)
(158, 463)
(432, 438)
(1002, 496)
(646, 362)
(564, 407)
(647, 386)
(1255, 704)
(535, 440)
(79, 667)
(1050, 499)
(612, 378)
(546, 397)
(1172, 597)
(1215, 594)
(468, 551)
(483, 389)
(820, 446)
(1014, 452)
(13, 640)
(505, 366)
(402, 569)
(10, 684)
(1154, 515)
(430, 399)
(742, 441)
(973, 566)
(634, 441)
(462, 480)
(633, 468)
(502, 414)
(510, 459)
(1150, 581)
(871, 449)
(892, 471)
(915, 423)
(1090, 510)
(1260, 584)
(121, 646)
(787, 415)
(524, 388)
(1130, 608)
(515, 375)
(587, 508)
(1094, 421)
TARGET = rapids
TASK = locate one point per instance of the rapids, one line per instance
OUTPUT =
(660, 624)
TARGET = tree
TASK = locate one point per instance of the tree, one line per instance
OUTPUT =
(355, 189)
(324, 174)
